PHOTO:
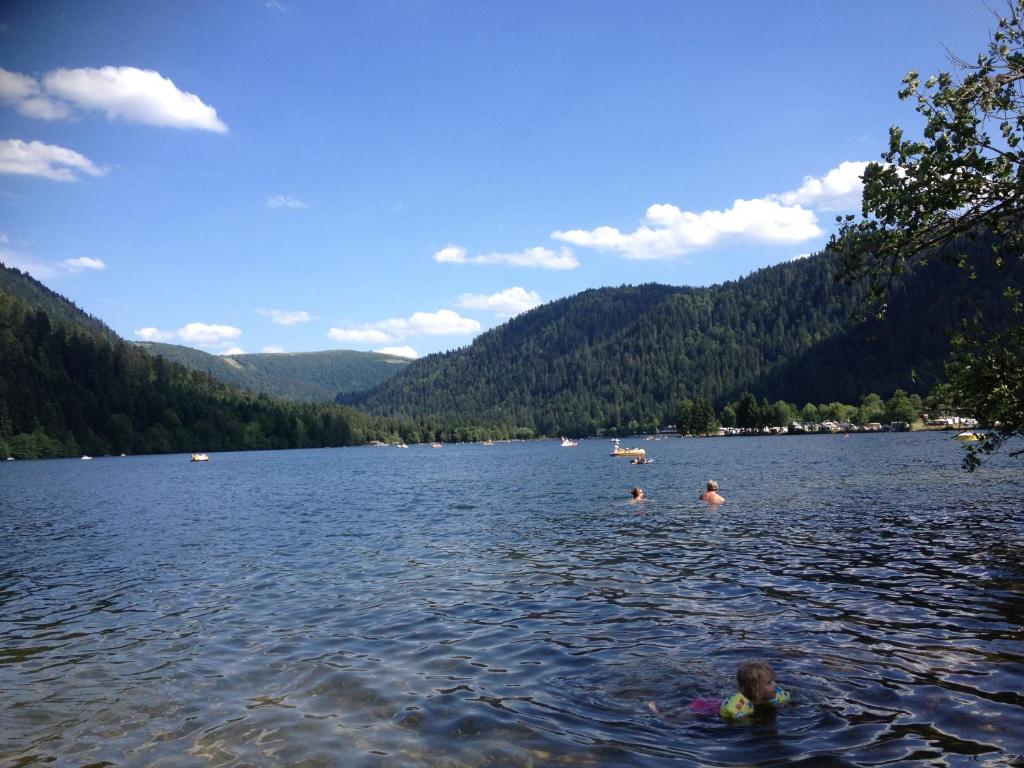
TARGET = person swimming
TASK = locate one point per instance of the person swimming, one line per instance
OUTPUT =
(711, 494)
(638, 494)
(756, 681)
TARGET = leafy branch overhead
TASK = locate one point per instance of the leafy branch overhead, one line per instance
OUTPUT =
(931, 196)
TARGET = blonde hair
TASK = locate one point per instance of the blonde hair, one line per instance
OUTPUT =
(754, 678)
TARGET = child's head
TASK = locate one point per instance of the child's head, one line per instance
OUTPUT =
(756, 681)
(712, 486)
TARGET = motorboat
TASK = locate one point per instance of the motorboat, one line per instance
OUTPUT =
(567, 443)
(200, 457)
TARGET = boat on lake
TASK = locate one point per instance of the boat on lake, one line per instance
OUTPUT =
(618, 450)
(967, 437)
(86, 457)
(200, 457)
(567, 443)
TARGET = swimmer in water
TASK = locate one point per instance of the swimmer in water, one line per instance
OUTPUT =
(711, 494)
(638, 494)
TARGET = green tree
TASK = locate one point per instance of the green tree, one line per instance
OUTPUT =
(900, 408)
(727, 417)
(964, 179)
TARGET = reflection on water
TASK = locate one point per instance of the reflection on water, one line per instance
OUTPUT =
(507, 606)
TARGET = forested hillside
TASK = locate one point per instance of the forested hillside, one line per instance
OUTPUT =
(624, 357)
(310, 376)
(37, 296)
(66, 390)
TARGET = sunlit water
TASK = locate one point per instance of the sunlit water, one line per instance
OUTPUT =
(508, 605)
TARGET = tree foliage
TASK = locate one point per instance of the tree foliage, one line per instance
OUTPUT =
(932, 196)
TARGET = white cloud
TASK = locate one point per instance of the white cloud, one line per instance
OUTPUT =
(399, 352)
(544, 258)
(24, 94)
(84, 262)
(132, 94)
(507, 303)
(359, 335)
(800, 256)
(232, 351)
(43, 271)
(840, 189)
(668, 232)
(208, 335)
(46, 160)
(155, 334)
(273, 350)
(201, 334)
(282, 317)
(286, 201)
(444, 322)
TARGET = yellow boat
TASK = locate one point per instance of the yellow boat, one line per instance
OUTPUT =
(619, 451)
(967, 437)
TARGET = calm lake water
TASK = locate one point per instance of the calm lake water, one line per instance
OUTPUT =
(507, 605)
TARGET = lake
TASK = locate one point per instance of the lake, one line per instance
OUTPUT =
(507, 605)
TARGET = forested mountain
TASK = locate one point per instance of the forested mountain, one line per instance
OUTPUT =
(68, 387)
(624, 357)
(311, 376)
(37, 296)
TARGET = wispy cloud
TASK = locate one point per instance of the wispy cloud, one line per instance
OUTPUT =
(777, 219)
(81, 263)
(122, 93)
(444, 322)
(48, 161)
(406, 351)
(543, 258)
(286, 201)
(273, 350)
(24, 94)
(283, 317)
(42, 270)
(232, 351)
(507, 303)
(200, 334)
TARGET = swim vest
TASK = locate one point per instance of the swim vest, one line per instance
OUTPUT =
(738, 705)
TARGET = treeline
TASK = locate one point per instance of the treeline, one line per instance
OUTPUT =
(67, 391)
(698, 417)
(619, 360)
(310, 376)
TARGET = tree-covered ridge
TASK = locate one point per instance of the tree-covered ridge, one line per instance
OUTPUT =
(36, 295)
(308, 376)
(622, 358)
(65, 391)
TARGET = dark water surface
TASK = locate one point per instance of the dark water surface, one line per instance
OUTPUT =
(507, 605)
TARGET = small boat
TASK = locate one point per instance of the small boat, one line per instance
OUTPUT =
(436, 445)
(567, 443)
(642, 460)
(967, 437)
(488, 442)
(402, 445)
(200, 457)
(620, 451)
(10, 458)
(86, 457)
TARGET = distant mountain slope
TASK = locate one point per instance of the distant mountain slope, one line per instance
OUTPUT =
(623, 357)
(308, 376)
(36, 295)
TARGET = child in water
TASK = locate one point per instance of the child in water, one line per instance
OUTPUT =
(756, 681)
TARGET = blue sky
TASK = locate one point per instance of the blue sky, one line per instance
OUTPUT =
(296, 176)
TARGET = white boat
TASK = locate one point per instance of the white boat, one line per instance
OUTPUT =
(567, 443)
(200, 457)
(86, 457)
